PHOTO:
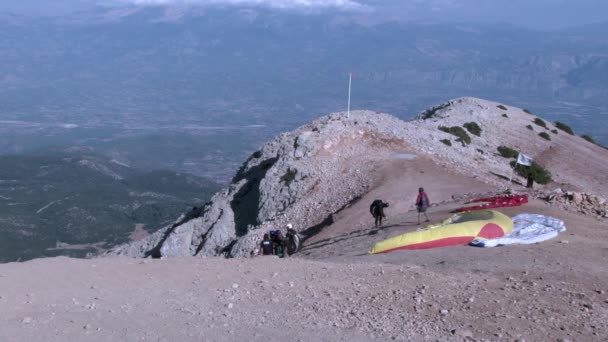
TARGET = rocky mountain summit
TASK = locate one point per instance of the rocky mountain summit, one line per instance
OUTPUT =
(306, 176)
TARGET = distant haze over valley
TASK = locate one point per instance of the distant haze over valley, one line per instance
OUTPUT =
(206, 85)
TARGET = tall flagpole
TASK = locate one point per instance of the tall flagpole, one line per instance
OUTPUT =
(350, 80)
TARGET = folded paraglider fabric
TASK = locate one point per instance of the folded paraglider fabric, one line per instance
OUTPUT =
(527, 229)
(495, 202)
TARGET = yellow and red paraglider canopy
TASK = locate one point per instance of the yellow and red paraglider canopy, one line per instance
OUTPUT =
(459, 229)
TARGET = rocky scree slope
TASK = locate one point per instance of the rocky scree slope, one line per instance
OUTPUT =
(575, 164)
(304, 176)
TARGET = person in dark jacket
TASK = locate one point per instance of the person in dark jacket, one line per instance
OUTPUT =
(422, 203)
(266, 245)
(278, 242)
(377, 211)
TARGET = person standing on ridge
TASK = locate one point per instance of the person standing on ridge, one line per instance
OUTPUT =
(266, 245)
(422, 203)
(377, 211)
(278, 242)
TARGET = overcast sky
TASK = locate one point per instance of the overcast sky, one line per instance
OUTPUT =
(530, 13)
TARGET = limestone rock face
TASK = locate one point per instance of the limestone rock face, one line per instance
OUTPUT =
(177, 244)
(301, 177)
(304, 144)
(577, 198)
(142, 248)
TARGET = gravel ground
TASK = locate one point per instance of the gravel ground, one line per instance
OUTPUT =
(553, 291)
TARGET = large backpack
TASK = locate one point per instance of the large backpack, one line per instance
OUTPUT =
(376, 207)
(279, 250)
(424, 201)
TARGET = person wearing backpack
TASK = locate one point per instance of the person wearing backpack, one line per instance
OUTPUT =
(377, 211)
(278, 243)
(422, 203)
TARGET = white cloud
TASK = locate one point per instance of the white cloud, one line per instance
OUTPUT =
(281, 4)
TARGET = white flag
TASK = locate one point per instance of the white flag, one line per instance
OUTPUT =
(524, 160)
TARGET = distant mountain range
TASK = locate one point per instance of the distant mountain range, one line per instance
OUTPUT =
(215, 83)
(151, 68)
(74, 204)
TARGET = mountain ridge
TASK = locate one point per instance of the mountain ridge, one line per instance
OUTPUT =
(308, 175)
(225, 63)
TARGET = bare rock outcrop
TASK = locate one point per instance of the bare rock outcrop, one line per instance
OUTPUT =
(301, 177)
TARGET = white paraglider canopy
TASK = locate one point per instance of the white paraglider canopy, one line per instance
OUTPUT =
(527, 229)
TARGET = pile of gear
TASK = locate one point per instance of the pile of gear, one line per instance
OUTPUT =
(580, 202)
(274, 243)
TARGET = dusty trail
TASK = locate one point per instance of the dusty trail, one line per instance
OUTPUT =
(398, 183)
